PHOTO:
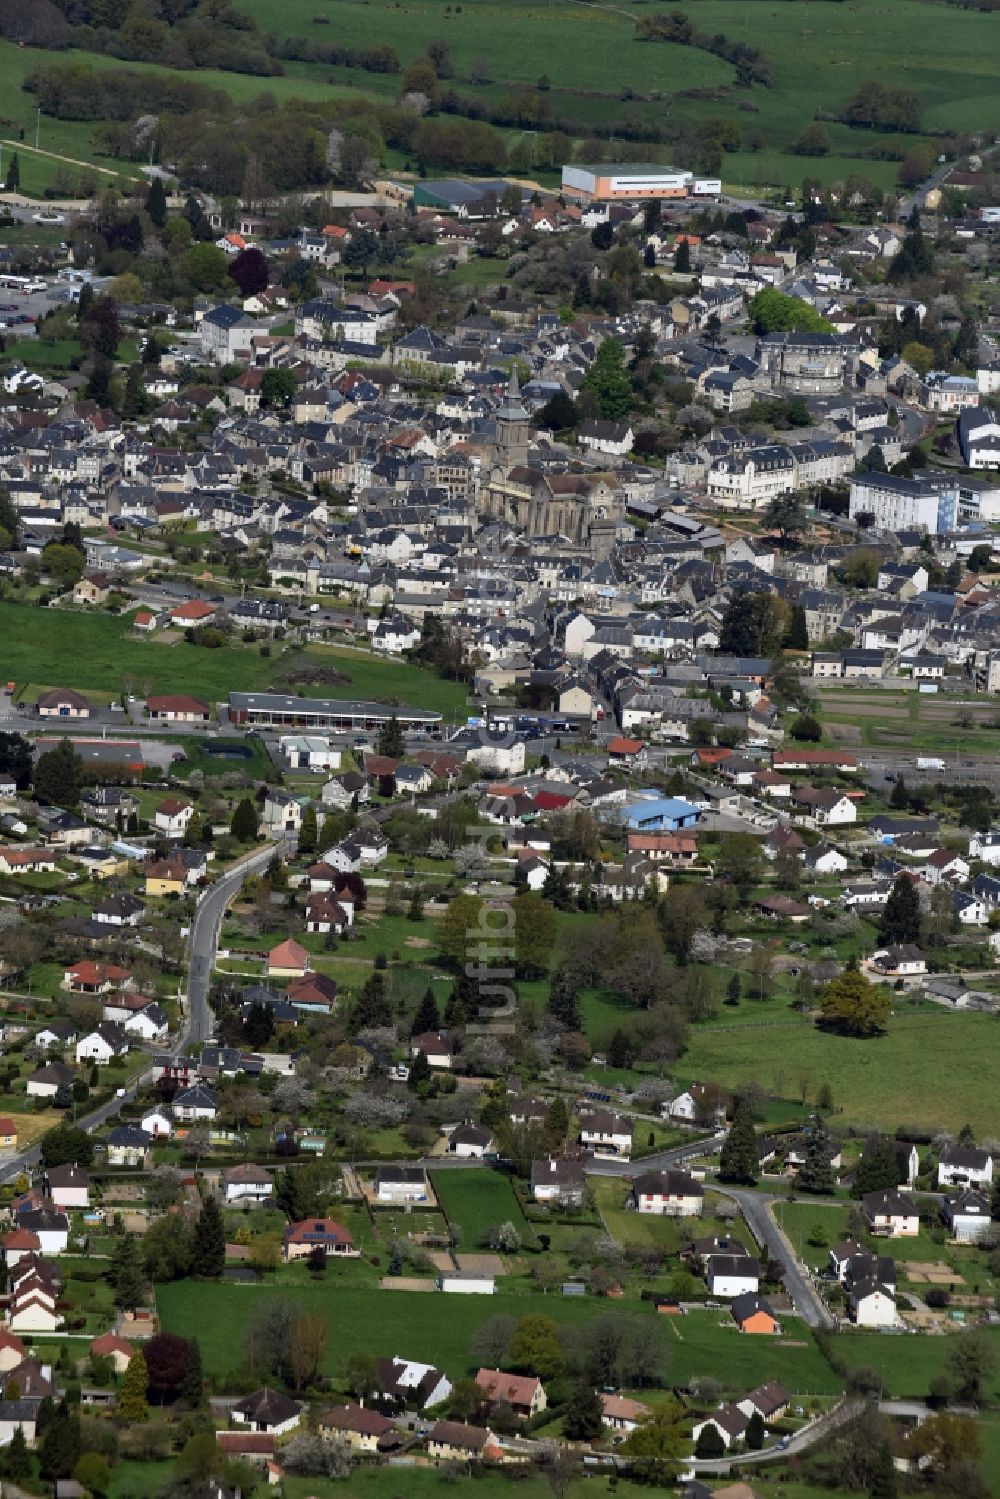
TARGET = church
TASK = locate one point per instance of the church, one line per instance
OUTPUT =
(583, 506)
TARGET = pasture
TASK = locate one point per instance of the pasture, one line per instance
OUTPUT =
(598, 74)
(918, 1070)
(99, 654)
(417, 1325)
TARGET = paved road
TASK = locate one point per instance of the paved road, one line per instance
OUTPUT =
(204, 940)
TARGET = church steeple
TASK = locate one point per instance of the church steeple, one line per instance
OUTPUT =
(512, 426)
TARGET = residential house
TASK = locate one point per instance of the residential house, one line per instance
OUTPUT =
(559, 1180)
(247, 1185)
(892, 1214)
(672, 1194)
(303, 1238)
(524, 1393)
(606, 1133)
(267, 1410)
(965, 1166)
(401, 1184)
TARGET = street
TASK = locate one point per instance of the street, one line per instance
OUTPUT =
(204, 939)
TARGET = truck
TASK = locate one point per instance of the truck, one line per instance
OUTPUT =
(930, 762)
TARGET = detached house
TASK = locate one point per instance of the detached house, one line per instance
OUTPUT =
(965, 1166)
(892, 1214)
(672, 1194)
(606, 1134)
(522, 1392)
(558, 1180)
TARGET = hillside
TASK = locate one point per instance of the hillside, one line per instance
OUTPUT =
(529, 70)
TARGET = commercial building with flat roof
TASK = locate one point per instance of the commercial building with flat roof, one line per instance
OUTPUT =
(617, 182)
(277, 708)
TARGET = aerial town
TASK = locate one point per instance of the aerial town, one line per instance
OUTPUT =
(500, 799)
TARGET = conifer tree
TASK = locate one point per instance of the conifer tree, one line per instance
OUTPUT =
(309, 831)
(816, 1172)
(738, 1160)
(132, 1400)
(208, 1259)
(426, 1018)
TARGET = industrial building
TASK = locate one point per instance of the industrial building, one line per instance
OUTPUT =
(615, 182)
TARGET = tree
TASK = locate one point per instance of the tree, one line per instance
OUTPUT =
(773, 311)
(426, 1017)
(126, 1273)
(556, 1124)
(93, 1472)
(59, 1451)
(610, 381)
(167, 1247)
(797, 634)
(682, 256)
(709, 1443)
(883, 1484)
(132, 1402)
(583, 1416)
(17, 1458)
(535, 1348)
(738, 1161)
(971, 1364)
(755, 1432)
(878, 1170)
(564, 998)
(852, 1006)
(806, 729)
(278, 388)
(734, 990)
(901, 915)
(308, 831)
(208, 1259)
(206, 267)
(258, 1027)
(816, 1172)
(534, 934)
(306, 1347)
(63, 564)
(59, 776)
(249, 269)
(100, 328)
(415, 910)
(245, 822)
(167, 1357)
(657, 1445)
(10, 529)
(156, 203)
(558, 414)
(786, 513)
(390, 741)
(67, 1144)
(13, 179)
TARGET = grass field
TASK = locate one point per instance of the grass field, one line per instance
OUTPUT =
(918, 1069)
(385, 680)
(909, 1363)
(477, 1201)
(422, 1325)
(599, 73)
(98, 652)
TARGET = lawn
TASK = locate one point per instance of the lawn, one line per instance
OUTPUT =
(99, 653)
(918, 1070)
(907, 1362)
(374, 677)
(477, 1201)
(417, 1325)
